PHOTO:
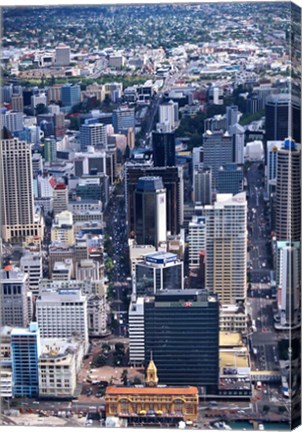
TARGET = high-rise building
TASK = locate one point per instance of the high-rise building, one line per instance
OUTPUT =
(62, 313)
(272, 148)
(158, 271)
(197, 158)
(25, 347)
(12, 120)
(238, 135)
(172, 178)
(62, 55)
(60, 198)
(182, 334)
(231, 115)
(50, 149)
(280, 122)
(38, 99)
(218, 151)
(288, 192)
(94, 135)
(202, 186)
(33, 266)
(168, 113)
(226, 247)
(136, 331)
(288, 280)
(163, 145)
(150, 211)
(7, 92)
(94, 187)
(16, 194)
(54, 93)
(37, 163)
(230, 179)
(17, 102)
(14, 298)
(70, 94)
(197, 240)
(123, 118)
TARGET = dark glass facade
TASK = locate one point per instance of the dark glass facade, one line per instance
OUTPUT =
(277, 124)
(163, 149)
(182, 333)
(145, 212)
(172, 182)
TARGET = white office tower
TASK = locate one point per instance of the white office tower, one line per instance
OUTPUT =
(12, 120)
(62, 314)
(226, 247)
(231, 115)
(168, 113)
(196, 240)
(31, 263)
(202, 186)
(272, 148)
(62, 55)
(289, 282)
(18, 217)
(38, 100)
(197, 158)
(238, 134)
(94, 135)
(136, 332)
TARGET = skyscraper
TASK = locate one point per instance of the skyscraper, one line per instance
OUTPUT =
(272, 148)
(288, 192)
(12, 120)
(218, 151)
(62, 313)
(25, 348)
(16, 194)
(50, 149)
(280, 122)
(60, 198)
(231, 115)
(238, 136)
(13, 297)
(202, 186)
(197, 240)
(62, 55)
(163, 149)
(123, 118)
(70, 94)
(182, 335)
(150, 211)
(172, 178)
(226, 247)
(288, 281)
(230, 179)
(94, 135)
(168, 114)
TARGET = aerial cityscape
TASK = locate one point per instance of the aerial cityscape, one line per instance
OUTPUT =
(150, 167)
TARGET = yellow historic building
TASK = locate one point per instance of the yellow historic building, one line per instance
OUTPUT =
(152, 403)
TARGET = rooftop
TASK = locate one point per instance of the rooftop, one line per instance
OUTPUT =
(117, 390)
(230, 339)
(233, 359)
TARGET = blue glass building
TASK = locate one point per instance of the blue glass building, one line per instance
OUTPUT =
(25, 349)
(71, 95)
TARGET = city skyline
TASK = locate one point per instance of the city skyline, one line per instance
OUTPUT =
(150, 161)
